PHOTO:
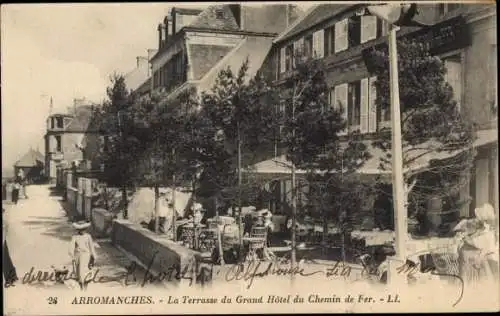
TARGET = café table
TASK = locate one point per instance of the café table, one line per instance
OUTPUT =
(254, 244)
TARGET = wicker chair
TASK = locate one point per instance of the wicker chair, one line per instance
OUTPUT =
(446, 262)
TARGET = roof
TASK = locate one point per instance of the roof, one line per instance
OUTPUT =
(255, 48)
(203, 57)
(188, 11)
(136, 77)
(80, 122)
(32, 158)
(208, 19)
(314, 16)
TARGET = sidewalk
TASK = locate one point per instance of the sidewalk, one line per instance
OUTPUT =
(39, 235)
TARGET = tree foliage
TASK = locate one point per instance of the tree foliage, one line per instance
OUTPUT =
(311, 133)
(431, 122)
(120, 147)
(235, 112)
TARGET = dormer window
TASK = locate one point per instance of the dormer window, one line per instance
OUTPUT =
(219, 14)
(444, 8)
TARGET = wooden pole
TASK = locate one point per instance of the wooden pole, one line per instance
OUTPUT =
(240, 231)
(294, 201)
(398, 186)
(157, 208)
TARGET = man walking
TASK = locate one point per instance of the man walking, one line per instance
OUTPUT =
(8, 269)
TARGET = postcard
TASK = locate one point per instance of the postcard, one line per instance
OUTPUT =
(249, 157)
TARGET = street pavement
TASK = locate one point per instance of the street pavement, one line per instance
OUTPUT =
(38, 238)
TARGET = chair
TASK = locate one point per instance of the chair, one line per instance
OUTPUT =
(257, 241)
(445, 261)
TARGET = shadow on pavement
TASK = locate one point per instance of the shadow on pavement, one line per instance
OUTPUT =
(54, 227)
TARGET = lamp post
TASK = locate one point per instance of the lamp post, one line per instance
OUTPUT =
(398, 186)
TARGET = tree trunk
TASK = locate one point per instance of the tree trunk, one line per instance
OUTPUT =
(219, 237)
(325, 232)
(125, 202)
(294, 220)
(157, 208)
(240, 232)
(174, 215)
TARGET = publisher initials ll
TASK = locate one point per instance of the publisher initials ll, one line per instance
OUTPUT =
(393, 299)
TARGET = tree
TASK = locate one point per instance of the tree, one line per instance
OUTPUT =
(431, 123)
(118, 156)
(160, 127)
(311, 129)
(235, 118)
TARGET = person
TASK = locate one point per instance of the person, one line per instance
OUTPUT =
(197, 213)
(82, 253)
(165, 212)
(478, 251)
(22, 181)
(15, 192)
(9, 271)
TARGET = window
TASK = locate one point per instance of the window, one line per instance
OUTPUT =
(354, 31)
(58, 143)
(298, 50)
(354, 105)
(59, 122)
(331, 97)
(308, 46)
(372, 105)
(341, 40)
(288, 57)
(318, 45)
(444, 8)
(340, 97)
(492, 86)
(453, 76)
(329, 41)
(382, 28)
(368, 28)
(156, 78)
(52, 124)
(357, 99)
(219, 14)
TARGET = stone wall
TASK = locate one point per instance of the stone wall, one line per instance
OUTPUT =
(163, 256)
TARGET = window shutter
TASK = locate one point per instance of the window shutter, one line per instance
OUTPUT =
(331, 99)
(341, 100)
(282, 59)
(341, 35)
(318, 44)
(298, 49)
(385, 28)
(364, 106)
(454, 78)
(368, 28)
(372, 106)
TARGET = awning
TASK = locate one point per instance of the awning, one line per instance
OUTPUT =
(280, 165)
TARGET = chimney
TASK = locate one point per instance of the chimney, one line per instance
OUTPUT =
(170, 26)
(151, 53)
(160, 36)
(142, 61)
(167, 31)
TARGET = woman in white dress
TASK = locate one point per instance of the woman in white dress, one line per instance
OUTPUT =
(82, 253)
(478, 254)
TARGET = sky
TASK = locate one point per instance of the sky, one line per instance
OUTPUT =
(65, 51)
